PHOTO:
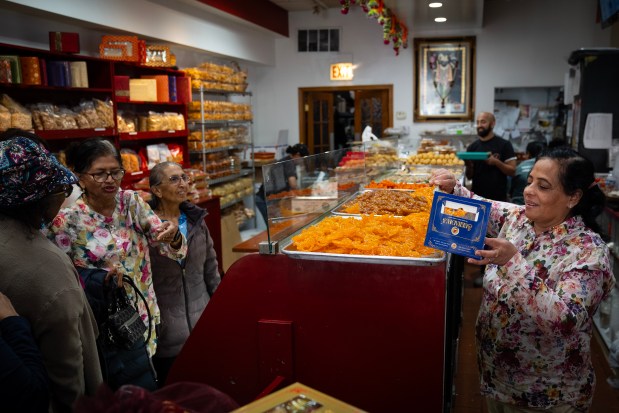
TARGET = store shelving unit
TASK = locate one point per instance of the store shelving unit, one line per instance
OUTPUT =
(222, 162)
(101, 73)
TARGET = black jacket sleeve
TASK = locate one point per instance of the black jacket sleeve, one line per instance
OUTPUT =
(23, 379)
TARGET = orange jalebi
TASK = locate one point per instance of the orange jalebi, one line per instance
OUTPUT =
(371, 235)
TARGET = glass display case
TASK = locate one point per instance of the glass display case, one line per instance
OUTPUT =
(376, 331)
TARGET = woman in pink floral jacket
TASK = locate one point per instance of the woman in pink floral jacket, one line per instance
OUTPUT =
(547, 270)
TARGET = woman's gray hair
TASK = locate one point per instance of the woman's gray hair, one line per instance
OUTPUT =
(156, 177)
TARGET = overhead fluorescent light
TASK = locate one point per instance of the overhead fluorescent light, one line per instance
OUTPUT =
(440, 19)
(435, 5)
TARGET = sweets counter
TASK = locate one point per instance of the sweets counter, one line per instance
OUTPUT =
(380, 337)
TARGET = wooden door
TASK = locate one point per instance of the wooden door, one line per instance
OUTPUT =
(371, 109)
(319, 122)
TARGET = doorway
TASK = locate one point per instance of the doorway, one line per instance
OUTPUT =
(333, 117)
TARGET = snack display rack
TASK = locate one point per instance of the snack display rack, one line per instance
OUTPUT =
(220, 143)
(377, 332)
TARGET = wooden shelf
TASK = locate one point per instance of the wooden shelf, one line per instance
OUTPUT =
(138, 136)
(220, 149)
(75, 133)
(145, 103)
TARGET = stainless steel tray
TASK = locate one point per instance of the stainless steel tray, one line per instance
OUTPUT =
(287, 247)
(290, 250)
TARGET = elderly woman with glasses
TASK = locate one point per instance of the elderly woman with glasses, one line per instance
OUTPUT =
(183, 287)
(111, 229)
(42, 284)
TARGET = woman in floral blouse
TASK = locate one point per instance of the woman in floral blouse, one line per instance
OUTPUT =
(547, 270)
(111, 229)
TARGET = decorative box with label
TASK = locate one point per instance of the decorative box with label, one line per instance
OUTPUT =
(65, 42)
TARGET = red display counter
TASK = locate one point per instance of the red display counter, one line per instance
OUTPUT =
(378, 336)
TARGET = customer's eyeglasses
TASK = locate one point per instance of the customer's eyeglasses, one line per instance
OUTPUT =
(66, 190)
(176, 179)
(100, 177)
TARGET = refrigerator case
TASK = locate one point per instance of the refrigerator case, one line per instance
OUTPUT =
(598, 92)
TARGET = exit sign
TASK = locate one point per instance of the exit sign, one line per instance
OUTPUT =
(341, 71)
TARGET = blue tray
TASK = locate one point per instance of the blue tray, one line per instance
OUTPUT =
(473, 156)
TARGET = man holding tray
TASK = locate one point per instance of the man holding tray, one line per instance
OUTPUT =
(490, 175)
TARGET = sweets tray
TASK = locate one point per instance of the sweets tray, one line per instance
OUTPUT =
(287, 247)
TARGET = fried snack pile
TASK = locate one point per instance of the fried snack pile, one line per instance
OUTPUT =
(387, 202)
(370, 235)
(388, 184)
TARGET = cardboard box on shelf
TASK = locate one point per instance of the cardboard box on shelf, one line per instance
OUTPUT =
(143, 90)
(64, 42)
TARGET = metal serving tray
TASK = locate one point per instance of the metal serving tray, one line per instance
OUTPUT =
(290, 250)
(287, 247)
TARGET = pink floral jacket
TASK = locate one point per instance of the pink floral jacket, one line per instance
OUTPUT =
(93, 240)
(534, 324)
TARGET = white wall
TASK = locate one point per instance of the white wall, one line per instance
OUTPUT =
(522, 43)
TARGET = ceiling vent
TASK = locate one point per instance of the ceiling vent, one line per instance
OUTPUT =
(318, 40)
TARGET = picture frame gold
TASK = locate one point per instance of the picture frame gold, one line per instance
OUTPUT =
(158, 56)
(130, 43)
(444, 79)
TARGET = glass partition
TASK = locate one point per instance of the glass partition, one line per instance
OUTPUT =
(302, 190)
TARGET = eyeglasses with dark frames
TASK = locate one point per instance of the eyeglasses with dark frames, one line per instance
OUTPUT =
(101, 177)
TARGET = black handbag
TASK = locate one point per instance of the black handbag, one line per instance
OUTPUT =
(124, 327)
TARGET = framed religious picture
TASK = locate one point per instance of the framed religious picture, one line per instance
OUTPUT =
(444, 79)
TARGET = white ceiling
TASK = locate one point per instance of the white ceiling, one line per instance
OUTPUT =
(460, 14)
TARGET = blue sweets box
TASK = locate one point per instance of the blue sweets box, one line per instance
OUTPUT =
(457, 224)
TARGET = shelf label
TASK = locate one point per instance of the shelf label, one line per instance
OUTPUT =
(133, 133)
(99, 129)
(171, 131)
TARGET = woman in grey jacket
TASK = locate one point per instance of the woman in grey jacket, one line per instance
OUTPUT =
(183, 289)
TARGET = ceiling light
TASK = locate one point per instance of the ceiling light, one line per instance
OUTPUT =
(435, 5)
(440, 19)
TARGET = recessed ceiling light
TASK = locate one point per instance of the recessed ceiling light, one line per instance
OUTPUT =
(440, 19)
(435, 5)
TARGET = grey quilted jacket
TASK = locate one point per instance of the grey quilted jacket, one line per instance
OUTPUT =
(183, 290)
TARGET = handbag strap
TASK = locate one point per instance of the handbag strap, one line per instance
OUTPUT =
(132, 284)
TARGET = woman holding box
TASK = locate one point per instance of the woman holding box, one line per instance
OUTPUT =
(547, 270)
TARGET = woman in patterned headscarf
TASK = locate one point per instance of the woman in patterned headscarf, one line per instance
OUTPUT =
(39, 279)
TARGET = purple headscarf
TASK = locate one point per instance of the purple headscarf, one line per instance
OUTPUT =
(28, 172)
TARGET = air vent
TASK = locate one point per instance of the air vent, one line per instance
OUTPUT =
(319, 40)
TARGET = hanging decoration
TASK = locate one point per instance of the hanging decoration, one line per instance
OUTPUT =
(394, 31)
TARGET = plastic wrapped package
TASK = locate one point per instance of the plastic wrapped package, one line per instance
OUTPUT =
(176, 153)
(105, 111)
(20, 116)
(155, 121)
(126, 122)
(130, 160)
(5, 118)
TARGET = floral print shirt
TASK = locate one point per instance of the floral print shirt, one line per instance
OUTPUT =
(93, 240)
(534, 325)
